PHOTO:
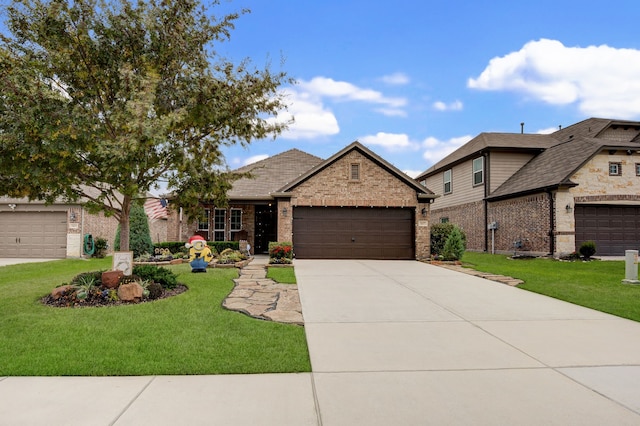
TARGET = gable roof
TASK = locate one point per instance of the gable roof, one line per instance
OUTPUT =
(270, 174)
(491, 141)
(422, 192)
(558, 155)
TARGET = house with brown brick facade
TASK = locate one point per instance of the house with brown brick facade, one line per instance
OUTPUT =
(33, 229)
(544, 194)
(352, 205)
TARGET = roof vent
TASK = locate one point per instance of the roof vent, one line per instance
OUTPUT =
(522, 127)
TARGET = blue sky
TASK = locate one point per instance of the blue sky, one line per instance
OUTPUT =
(413, 80)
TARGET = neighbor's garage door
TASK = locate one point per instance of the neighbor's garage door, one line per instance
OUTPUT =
(30, 234)
(613, 228)
(353, 233)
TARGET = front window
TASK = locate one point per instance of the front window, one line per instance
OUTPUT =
(447, 178)
(219, 220)
(615, 169)
(444, 220)
(478, 171)
(203, 222)
(637, 169)
(236, 220)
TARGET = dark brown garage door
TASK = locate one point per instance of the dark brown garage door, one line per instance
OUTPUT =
(353, 233)
(33, 234)
(613, 228)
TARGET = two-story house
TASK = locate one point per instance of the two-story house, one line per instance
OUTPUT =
(545, 194)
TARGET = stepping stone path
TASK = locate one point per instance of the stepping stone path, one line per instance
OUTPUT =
(262, 298)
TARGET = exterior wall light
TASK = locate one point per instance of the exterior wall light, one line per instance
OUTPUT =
(284, 212)
(424, 211)
(569, 208)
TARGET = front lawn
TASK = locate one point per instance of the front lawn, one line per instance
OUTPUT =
(595, 284)
(283, 275)
(187, 334)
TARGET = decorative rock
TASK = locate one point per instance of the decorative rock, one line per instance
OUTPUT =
(110, 279)
(58, 291)
(131, 292)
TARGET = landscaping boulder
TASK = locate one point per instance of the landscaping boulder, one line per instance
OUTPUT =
(131, 292)
(59, 291)
(110, 279)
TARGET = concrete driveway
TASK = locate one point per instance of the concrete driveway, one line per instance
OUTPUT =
(409, 343)
(5, 261)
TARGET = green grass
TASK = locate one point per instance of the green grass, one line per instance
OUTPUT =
(595, 284)
(282, 275)
(187, 334)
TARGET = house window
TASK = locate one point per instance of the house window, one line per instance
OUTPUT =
(637, 169)
(354, 171)
(615, 169)
(219, 219)
(203, 222)
(447, 181)
(236, 220)
(444, 220)
(478, 171)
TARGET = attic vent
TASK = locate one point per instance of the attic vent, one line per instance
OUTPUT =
(354, 173)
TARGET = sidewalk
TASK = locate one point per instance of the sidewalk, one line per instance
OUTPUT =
(401, 343)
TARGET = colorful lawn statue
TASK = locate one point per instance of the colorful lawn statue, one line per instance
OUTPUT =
(199, 253)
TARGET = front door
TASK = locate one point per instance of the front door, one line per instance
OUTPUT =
(266, 228)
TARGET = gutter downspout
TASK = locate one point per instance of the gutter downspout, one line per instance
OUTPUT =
(485, 202)
(552, 224)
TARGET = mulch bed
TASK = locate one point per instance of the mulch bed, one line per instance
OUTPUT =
(67, 300)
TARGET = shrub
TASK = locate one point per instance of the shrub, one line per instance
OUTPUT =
(162, 276)
(280, 252)
(587, 249)
(139, 235)
(455, 245)
(440, 233)
(155, 290)
(101, 247)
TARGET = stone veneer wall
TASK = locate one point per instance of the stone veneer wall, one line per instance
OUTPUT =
(526, 219)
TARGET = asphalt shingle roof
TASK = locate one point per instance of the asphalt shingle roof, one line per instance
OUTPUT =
(272, 173)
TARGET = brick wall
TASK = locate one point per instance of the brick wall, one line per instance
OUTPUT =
(469, 217)
(523, 219)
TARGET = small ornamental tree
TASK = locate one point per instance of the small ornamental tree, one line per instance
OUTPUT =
(440, 233)
(139, 235)
(454, 247)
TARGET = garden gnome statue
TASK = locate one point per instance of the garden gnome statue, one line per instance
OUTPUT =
(199, 254)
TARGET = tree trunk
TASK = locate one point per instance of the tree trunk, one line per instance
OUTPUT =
(124, 224)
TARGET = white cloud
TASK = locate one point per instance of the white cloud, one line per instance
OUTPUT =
(254, 159)
(436, 149)
(312, 118)
(342, 90)
(413, 173)
(452, 106)
(603, 81)
(396, 79)
(547, 131)
(389, 141)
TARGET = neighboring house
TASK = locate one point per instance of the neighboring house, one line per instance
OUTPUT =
(545, 194)
(352, 205)
(36, 230)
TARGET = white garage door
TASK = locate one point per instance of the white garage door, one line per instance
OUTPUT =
(33, 234)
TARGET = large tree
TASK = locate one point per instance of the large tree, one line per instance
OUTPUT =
(101, 100)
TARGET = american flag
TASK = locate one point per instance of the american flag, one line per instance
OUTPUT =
(156, 208)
